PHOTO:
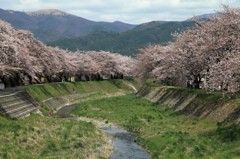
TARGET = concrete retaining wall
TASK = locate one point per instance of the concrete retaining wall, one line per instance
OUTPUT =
(20, 104)
(190, 105)
(59, 102)
(2, 86)
(17, 104)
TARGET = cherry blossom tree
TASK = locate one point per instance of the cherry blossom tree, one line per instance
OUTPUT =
(8, 51)
(24, 57)
(124, 64)
(224, 50)
(106, 63)
(225, 74)
(14, 55)
(144, 64)
(211, 47)
(162, 62)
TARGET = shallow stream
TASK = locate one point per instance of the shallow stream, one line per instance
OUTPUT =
(124, 146)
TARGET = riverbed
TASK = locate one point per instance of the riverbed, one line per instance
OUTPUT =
(124, 146)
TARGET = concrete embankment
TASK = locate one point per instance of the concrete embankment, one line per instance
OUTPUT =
(20, 104)
(17, 104)
(59, 102)
(191, 105)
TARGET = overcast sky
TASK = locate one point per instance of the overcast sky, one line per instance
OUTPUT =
(129, 11)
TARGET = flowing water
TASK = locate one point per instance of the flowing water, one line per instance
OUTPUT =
(64, 111)
(124, 146)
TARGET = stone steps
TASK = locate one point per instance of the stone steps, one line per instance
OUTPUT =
(23, 112)
(18, 104)
(11, 103)
(17, 107)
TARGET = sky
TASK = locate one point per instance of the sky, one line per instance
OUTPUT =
(128, 11)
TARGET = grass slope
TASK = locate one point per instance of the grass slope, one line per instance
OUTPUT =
(212, 96)
(45, 137)
(164, 132)
(43, 92)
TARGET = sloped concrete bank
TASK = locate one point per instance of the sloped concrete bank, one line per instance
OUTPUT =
(20, 104)
(17, 104)
(191, 105)
(59, 102)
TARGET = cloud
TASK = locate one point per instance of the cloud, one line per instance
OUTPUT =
(130, 11)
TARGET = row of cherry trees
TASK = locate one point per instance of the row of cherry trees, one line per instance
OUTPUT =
(23, 58)
(211, 49)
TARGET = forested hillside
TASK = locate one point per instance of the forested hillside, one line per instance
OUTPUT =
(126, 43)
(50, 25)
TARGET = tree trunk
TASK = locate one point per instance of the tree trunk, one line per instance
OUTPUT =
(49, 78)
(13, 82)
(121, 76)
(18, 79)
(4, 81)
(90, 77)
(87, 77)
(93, 77)
(30, 79)
(197, 81)
(65, 78)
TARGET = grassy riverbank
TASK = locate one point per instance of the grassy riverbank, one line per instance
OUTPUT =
(43, 92)
(216, 96)
(46, 137)
(165, 133)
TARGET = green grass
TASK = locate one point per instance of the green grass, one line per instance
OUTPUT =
(45, 137)
(212, 96)
(237, 101)
(164, 132)
(46, 111)
(44, 92)
(215, 97)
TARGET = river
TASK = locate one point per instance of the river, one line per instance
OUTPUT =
(124, 146)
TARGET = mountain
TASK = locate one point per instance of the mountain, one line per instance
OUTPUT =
(208, 15)
(49, 25)
(57, 28)
(204, 16)
(148, 25)
(126, 43)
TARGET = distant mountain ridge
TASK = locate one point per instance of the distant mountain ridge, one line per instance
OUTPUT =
(126, 43)
(148, 25)
(50, 25)
(48, 12)
(67, 31)
(208, 15)
(204, 16)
